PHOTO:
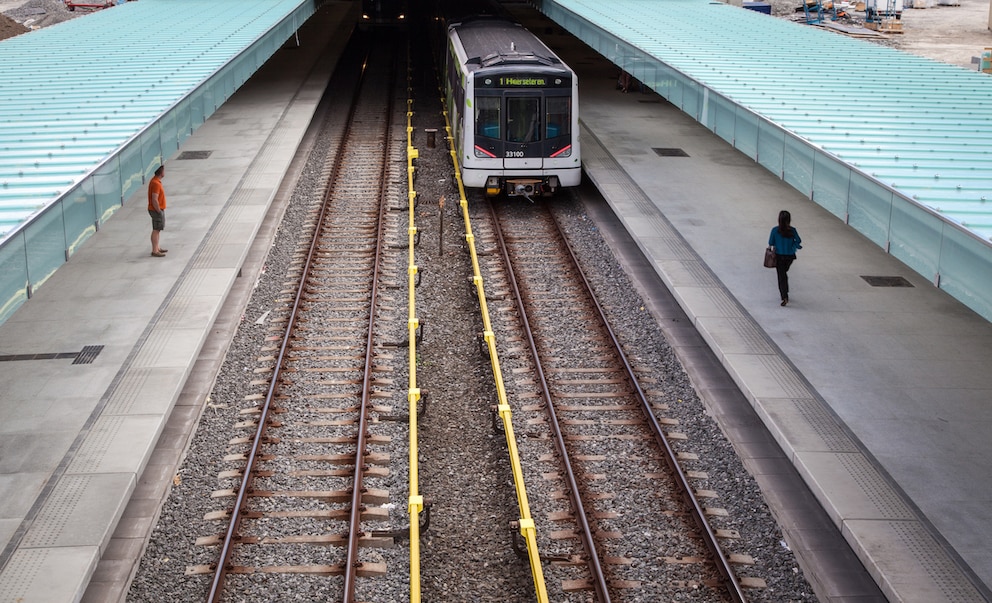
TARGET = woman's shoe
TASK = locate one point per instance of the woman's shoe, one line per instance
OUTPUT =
(785, 301)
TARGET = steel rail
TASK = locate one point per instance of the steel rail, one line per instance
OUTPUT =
(231, 535)
(731, 583)
(354, 524)
(588, 542)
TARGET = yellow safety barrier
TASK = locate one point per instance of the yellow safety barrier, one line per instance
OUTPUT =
(527, 529)
(416, 502)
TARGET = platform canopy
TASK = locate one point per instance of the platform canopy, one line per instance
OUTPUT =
(74, 94)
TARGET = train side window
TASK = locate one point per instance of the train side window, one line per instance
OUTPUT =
(559, 122)
(487, 116)
(522, 117)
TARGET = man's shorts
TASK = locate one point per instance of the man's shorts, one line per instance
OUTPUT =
(158, 219)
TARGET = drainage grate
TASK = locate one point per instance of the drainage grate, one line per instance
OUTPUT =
(669, 152)
(86, 356)
(887, 281)
(52, 356)
(194, 154)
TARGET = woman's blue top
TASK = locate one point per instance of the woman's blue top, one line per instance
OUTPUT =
(784, 245)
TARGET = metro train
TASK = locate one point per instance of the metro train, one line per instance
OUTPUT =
(383, 13)
(513, 109)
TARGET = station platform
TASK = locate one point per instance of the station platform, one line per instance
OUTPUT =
(874, 383)
(99, 370)
(878, 396)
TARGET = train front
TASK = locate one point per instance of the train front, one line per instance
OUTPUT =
(525, 136)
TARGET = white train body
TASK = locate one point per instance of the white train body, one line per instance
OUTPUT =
(513, 106)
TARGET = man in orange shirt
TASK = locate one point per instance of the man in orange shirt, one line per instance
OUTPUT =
(156, 209)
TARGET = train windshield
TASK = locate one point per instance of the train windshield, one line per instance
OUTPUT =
(526, 121)
(487, 117)
(558, 121)
(522, 117)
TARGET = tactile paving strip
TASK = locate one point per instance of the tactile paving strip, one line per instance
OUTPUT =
(152, 348)
(91, 453)
(724, 304)
(125, 393)
(677, 249)
(48, 527)
(750, 339)
(875, 487)
(935, 563)
(594, 152)
(174, 314)
(700, 274)
(825, 425)
(785, 376)
(21, 573)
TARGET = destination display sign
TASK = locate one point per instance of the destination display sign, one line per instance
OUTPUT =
(523, 80)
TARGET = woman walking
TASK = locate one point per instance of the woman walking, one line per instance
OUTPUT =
(786, 241)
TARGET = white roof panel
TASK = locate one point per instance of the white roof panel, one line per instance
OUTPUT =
(73, 93)
(922, 127)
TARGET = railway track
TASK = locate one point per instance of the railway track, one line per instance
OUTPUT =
(624, 519)
(307, 476)
(333, 360)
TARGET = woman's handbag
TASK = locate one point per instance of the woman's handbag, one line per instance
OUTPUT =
(769, 257)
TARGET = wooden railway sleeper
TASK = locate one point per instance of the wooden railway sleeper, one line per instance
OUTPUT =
(416, 204)
(521, 551)
(416, 237)
(416, 283)
(406, 342)
(421, 409)
(404, 533)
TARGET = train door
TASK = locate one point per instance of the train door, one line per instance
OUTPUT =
(524, 140)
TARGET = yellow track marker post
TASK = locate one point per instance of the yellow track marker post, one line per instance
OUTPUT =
(415, 504)
(526, 522)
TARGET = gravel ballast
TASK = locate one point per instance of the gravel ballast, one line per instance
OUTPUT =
(467, 553)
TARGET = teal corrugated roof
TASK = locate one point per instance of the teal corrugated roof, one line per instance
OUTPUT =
(922, 127)
(73, 93)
